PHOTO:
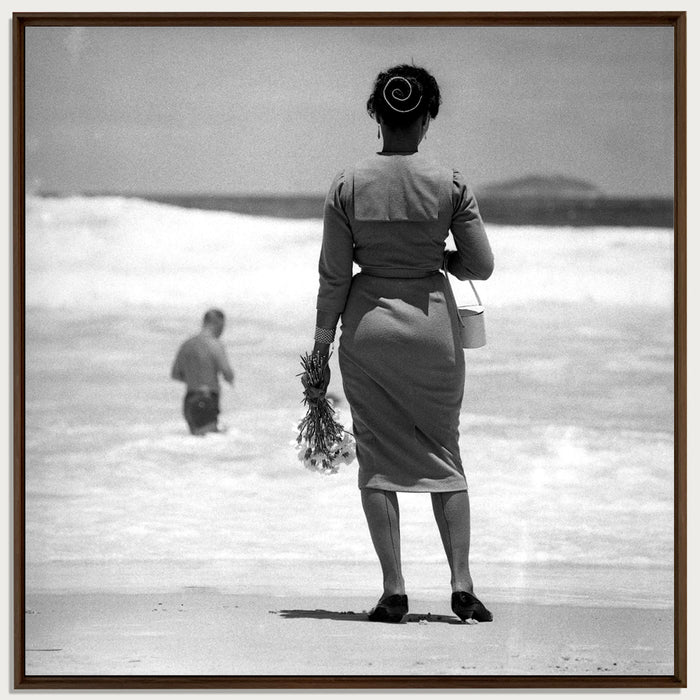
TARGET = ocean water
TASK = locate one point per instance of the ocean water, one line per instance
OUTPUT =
(567, 422)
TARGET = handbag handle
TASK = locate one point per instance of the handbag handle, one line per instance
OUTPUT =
(447, 277)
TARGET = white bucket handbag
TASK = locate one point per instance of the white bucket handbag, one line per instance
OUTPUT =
(471, 319)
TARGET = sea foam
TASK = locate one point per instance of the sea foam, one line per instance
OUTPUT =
(102, 253)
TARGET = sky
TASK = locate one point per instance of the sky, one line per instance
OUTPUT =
(279, 110)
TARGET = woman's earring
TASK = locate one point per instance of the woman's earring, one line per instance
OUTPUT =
(378, 134)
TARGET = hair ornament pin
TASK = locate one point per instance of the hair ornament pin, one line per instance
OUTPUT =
(397, 94)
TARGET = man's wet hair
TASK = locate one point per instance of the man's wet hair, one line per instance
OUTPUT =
(213, 316)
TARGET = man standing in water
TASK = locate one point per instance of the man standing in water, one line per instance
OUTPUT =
(198, 363)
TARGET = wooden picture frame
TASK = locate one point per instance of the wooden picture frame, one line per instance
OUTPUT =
(593, 680)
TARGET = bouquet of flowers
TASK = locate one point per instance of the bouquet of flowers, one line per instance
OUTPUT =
(322, 443)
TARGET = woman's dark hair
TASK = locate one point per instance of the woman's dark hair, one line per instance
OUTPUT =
(403, 94)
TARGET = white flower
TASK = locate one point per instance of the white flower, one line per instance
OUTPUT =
(314, 450)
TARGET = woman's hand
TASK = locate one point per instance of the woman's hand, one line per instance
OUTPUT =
(446, 259)
(316, 383)
(326, 377)
(322, 351)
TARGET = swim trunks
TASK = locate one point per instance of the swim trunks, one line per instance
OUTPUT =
(200, 409)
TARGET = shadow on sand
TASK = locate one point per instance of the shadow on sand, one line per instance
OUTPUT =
(351, 616)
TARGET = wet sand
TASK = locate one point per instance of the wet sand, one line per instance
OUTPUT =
(201, 631)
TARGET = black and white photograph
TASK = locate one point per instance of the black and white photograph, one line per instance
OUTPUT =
(349, 350)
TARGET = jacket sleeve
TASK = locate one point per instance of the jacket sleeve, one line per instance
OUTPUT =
(473, 258)
(335, 261)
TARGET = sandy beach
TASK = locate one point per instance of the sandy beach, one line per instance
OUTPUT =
(204, 632)
(253, 617)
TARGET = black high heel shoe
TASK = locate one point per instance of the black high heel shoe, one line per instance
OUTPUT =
(468, 607)
(391, 609)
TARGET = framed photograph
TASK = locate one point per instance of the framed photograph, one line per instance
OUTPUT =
(207, 204)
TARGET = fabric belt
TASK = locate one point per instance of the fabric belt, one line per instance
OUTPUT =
(398, 272)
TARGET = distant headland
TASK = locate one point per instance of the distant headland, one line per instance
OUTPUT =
(559, 186)
(560, 200)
